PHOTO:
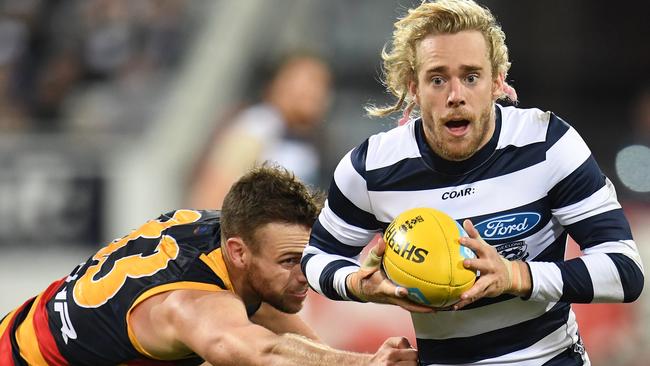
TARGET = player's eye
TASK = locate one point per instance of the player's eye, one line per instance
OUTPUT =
(290, 261)
(472, 78)
(437, 80)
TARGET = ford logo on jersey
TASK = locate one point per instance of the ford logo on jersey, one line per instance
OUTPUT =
(507, 226)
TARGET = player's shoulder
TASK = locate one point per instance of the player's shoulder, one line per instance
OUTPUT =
(185, 216)
(389, 147)
(525, 126)
(199, 228)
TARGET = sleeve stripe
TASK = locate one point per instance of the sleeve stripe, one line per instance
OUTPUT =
(323, 240)
(566, 155)
(303, 267)
(603, 272)
(351, 183)
(339, 282)
(554, 251)
(311, 266)
(343, 207)
(612, 227)
(577, 285)
(335, 244)
(608, 272)
(314, 262)
(600, 201)
(630, 274)
(328, 282)
(625, 247)
(358, 158)
(547, 279)
(578, 185)
(342, 231)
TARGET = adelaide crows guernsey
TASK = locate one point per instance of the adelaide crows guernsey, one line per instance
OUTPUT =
(531, 185)
(84, 319)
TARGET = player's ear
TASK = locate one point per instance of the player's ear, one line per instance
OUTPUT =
(497, 86)
(413, 91)
(237, 251)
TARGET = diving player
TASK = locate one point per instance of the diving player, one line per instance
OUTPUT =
(220, 286)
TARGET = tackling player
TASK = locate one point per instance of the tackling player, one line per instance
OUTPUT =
(189, 286)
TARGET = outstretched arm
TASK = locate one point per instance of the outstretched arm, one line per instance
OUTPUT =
(215, 326)
(279, 323)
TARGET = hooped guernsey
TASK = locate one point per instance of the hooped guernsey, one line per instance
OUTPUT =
(83, 319)
(531, 185)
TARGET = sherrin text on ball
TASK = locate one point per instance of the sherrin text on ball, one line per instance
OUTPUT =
(424, 255)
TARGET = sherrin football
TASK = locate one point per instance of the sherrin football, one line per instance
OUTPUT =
(424, 256)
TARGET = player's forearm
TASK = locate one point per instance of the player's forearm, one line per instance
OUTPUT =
(297, 350)
(597, 277)
(260, 347)
(280, 323)
(326, 273)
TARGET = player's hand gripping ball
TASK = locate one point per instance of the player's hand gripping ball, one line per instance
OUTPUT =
(424, 256)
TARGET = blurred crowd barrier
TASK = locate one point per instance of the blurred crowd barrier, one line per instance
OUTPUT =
(52, 192)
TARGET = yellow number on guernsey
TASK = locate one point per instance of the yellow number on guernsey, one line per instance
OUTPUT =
(92, 292)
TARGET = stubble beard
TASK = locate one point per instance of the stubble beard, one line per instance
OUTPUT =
(443, 148)
(263, 289)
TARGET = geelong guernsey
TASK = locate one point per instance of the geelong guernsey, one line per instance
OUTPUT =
(534, 183)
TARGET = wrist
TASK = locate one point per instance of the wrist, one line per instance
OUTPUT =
(353, 287)
(522, 283)
(528, 281)
(519, 279)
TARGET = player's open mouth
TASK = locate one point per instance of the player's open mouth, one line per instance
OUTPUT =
(457, 127)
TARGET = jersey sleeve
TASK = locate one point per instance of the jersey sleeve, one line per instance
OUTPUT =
(345, 225)
(584, 202)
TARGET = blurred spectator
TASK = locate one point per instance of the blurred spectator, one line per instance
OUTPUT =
(13, 39)
(58, 59)
(95, 67)
(127, 50)
(12, 116)
(282, 127)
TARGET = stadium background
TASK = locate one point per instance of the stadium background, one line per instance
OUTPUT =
(106, 106)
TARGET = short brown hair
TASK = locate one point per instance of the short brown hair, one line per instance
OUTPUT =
(267, 194)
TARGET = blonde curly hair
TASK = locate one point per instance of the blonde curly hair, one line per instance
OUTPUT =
(438, 17)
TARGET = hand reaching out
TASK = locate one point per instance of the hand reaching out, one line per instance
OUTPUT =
(395, 351)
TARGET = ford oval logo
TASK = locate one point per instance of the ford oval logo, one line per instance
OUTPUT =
(507, 226)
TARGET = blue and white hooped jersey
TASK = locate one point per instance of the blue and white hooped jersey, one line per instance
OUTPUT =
(534, 183)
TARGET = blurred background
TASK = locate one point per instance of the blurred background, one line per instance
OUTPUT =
(114, 111)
